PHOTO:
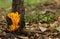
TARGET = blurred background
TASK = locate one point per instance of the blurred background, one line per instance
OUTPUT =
(42, 18)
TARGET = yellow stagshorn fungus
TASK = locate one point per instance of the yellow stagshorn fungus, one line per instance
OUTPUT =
(15, 17)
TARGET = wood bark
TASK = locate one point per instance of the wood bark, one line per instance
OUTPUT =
(17, 6)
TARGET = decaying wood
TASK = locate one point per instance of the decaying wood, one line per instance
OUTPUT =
(17, 5)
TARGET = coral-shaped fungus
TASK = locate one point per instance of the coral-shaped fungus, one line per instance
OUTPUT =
(15, 17)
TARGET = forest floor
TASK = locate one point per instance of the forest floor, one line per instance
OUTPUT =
(38, 29)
